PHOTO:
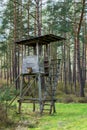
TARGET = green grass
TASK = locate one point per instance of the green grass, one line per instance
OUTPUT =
(68, 117)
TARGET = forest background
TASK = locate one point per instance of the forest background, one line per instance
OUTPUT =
(67, 18)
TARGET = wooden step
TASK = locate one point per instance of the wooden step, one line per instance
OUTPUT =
(46, 104)
(46, 109)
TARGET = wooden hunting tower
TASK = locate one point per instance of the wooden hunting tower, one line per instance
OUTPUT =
(40, 73)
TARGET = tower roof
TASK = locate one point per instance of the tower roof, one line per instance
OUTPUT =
(41, 40)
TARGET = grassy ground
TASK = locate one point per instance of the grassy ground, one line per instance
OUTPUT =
(71, 116)
(68, 117)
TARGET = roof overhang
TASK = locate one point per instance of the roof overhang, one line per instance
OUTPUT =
(41, 40)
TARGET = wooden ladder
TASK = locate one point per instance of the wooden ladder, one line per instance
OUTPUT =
(49, 106)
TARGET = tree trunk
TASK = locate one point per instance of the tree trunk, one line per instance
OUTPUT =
(78, 52)
(74, 66)
(65, 82)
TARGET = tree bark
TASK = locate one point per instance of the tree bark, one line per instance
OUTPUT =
(78, 52)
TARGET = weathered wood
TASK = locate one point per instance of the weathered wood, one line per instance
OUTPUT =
(19, 110)
(33, 106)
(34, 63)
(44, 88)
(42, 40)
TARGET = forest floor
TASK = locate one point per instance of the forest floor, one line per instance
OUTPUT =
(71, 116)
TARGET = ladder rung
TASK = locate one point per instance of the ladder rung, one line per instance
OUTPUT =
(46, 109)
(46, 104)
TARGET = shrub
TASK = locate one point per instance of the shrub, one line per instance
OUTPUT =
(82, 100)
(68, 100)
(3, 115)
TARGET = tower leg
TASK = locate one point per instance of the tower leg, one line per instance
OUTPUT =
(19, 109)
(40, 93)
(54, 109)
(21, 87)
(51, 106)
(41, 107)
(33, 106)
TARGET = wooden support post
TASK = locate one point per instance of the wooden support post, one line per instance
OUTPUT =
(40, 95)
(54, 109)
(19, 110)
(33, 106)
(50, 108)
(21, 88)
(39, 80)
